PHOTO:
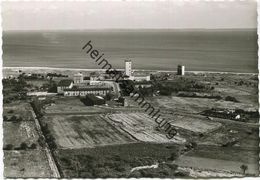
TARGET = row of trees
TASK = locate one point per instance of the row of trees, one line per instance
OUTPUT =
(12, 118)
(23, 146)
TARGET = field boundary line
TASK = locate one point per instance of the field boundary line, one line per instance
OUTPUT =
(50, 158)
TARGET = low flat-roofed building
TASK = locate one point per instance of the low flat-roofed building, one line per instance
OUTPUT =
(64, 84)
(139, 78)
(143, 84)
(102, 91)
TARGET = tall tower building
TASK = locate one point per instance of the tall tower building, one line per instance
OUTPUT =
(181, 70)
(128, 68)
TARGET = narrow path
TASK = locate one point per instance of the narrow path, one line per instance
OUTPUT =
(52, 164)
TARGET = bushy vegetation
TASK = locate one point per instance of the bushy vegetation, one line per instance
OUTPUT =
(118, 161)
(12, 119)
(168, 87)
(195, 95)
(14, 89)
(230, 98)
(237, 114)
(23, 146)
(51, 86)
(56, 75)
(49, 137)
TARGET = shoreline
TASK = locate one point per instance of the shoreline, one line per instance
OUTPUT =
(144, 70)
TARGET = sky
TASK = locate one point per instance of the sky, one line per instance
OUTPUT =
(172, 14)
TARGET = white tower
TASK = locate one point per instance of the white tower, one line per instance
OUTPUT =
(181, 70)
(128, 68)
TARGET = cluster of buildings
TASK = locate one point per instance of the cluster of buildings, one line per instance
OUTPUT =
(82, 86)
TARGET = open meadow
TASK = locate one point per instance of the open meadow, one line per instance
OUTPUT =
(16, 133)
(20, 109)
(26, 163)
(221, 158)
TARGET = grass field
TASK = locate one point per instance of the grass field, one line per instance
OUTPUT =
(219, 158)
(29, 163)
(195, 124)
(197, 105)
(246, 137)
(20, 109)
(16, 133)
(79, 131)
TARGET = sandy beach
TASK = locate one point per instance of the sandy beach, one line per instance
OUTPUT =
(51, 69)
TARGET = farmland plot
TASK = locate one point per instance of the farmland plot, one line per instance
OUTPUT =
(195, 124)
(140, 126)
(79, 131)
(71, 105)
(197, 105)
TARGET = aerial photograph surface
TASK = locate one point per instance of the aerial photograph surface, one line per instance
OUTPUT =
(130, 89)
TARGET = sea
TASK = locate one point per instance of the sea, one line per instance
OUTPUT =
(198, 50)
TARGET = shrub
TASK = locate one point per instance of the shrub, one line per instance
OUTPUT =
(33, 146)
(23, 146)
(244, 167)
(8, 147)
(13, 118)
(181, 174)
(5, 118)
(230, 98)
(41, 142)
(173, 156)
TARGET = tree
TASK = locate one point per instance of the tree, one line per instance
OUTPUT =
(33, 146)
(13, 118)
(23, 146)
(5, 118)
(244, 168)
(9, 147)
(108, 96)
(173, 156)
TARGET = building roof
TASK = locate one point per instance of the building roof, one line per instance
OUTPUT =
(142, 82)
(78, 75)
(65, 82)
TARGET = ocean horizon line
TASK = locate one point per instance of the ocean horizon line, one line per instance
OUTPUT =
(133, 29)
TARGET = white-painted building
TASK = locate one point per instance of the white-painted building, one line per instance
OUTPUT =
(181, 70)
(78, 78)
(128, 68)
(139, 78)
(101, 91)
